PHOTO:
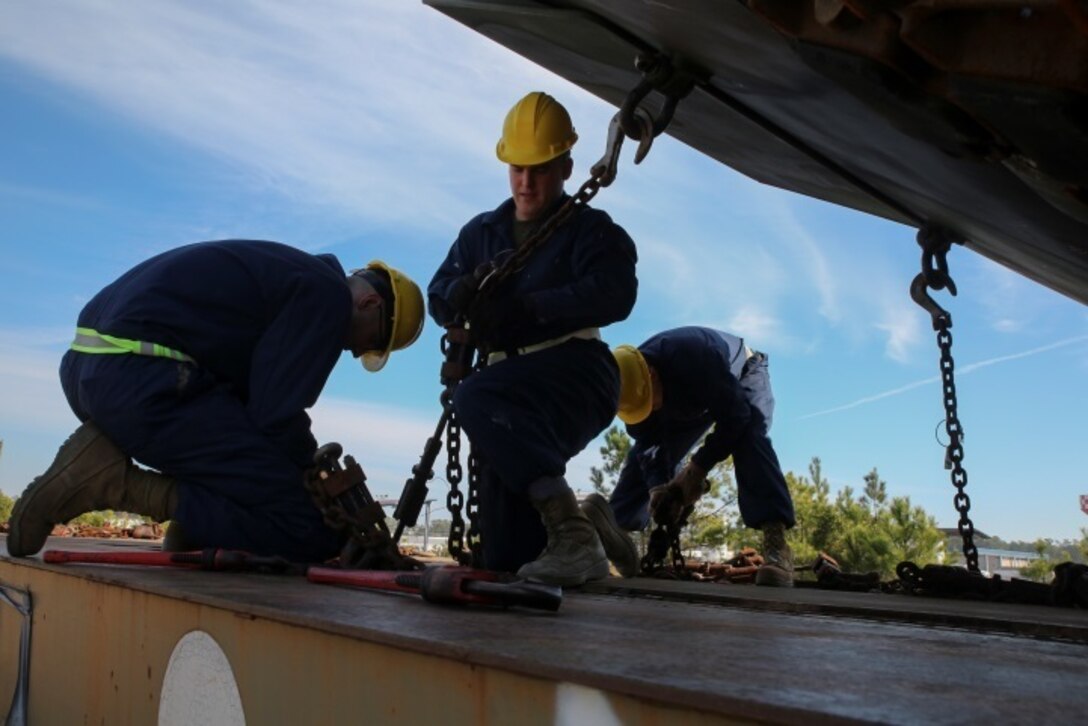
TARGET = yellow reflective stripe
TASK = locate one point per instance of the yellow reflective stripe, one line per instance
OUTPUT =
(88, 340)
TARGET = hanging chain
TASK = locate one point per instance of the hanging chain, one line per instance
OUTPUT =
(665, 542)
(954, 451)
(473, 508)
(935, 245)
(455, 498)
(678, 564)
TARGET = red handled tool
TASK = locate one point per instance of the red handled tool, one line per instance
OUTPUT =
(449, 585)
(207, 559)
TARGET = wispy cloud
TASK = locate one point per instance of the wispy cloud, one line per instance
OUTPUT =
(899, 321)
(810, 255)
(960, 371)
(362, 106)
(30, 394)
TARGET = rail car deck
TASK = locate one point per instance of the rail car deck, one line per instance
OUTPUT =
(117, 645)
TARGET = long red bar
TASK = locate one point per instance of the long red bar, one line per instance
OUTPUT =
(207, 559)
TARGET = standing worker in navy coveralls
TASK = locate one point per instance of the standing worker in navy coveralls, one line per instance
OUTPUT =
(200, 362)
(676, 387)
(550, 385)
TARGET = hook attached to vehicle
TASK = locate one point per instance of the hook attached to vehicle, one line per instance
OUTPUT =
(935, 243)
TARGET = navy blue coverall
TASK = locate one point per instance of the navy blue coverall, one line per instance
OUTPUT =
(529, 414)
(708, 379)
(265, 324)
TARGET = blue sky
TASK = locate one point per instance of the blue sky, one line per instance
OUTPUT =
(367, 129)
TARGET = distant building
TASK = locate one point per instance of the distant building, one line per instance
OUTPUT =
(1006, 563)
(991, 561)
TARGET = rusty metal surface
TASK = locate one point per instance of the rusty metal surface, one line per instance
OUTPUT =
(764, 656)
(1036, 621)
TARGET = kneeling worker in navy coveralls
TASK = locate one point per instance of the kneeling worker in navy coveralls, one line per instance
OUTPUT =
(675, 387)
(550, 384)
(200, 363)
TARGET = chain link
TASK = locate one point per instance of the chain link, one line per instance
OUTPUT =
(473, 509)
(954, 451)
(515, 262)
(455, 499)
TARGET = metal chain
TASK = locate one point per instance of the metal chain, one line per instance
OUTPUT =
(678, 564)
(935, 245)
(473, 509)
(954, 450)
(455, 499)
(665, 540)
(513, 263)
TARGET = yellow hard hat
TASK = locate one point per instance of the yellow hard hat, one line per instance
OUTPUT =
(537, 129)
(636, 388)
(406, 321)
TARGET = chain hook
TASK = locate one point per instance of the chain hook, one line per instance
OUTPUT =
(935, 243)
(605, 169)
(660, 74)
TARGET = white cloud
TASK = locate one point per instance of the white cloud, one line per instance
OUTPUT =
(900, 323)
(358, 105)
(960, 371)
(809, 255)
(31, 398)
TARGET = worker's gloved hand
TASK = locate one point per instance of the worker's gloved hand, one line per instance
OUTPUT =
(463, 290)
(668, 502)
(498, 324)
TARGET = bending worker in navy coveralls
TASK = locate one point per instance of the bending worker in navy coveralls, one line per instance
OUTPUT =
(200, 363)
(550, 384)
(677, 386)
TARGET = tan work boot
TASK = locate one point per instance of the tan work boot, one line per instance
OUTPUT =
(574, 553)
(88, 474)
(618, 545)
(777, 570)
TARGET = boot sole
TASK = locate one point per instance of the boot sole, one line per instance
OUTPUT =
(619, 548)
(81, 439)
(598, 571)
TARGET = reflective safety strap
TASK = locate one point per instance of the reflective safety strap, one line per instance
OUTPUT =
(89, 340)
(583, 334)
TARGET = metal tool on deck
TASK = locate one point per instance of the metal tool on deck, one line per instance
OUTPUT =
(449, 586)
(212, 558)
(341, 494)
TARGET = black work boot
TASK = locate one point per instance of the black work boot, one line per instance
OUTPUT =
(618, 545)
(777, 569)
(574, 553)
(88, 474)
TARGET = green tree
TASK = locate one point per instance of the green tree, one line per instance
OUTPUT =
(876, 492)
(6, 505)
(913, 532)
(1042, 569)
(613, 453)
(818, 523)
(708, 524)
